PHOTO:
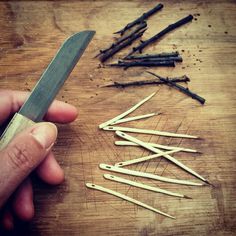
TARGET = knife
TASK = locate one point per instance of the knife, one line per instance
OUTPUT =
(51, 81)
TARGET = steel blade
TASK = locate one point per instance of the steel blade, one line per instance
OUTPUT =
(55, 75)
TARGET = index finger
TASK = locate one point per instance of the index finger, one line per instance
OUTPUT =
(11, 101)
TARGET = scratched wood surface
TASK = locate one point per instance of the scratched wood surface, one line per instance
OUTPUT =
(31, 33)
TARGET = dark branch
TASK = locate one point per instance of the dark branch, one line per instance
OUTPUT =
(159, 55)
(160, 34)
(176, 59)
(180, 88)
(116, 49)
(140, 19)
(122, 39)
(182, 79)
(126, 65)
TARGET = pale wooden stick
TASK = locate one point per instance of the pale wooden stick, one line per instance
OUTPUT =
(134, 118)
(147, 175)
(126, 112)
(148, 131)
(158, 151)
(127, 143)
(129, 199)
(141, 159)
(143, 186)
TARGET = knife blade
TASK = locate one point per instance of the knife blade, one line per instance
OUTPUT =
(55, 75)
(51, 81)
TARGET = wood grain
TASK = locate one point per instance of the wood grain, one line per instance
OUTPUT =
(31, 33)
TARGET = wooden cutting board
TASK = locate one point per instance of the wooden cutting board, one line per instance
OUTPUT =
(31, 33)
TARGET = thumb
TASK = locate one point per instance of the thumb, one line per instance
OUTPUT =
(23, 155)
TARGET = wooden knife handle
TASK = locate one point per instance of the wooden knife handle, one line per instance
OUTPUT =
(17, 124)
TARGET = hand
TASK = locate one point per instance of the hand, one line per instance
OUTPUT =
(28, 151)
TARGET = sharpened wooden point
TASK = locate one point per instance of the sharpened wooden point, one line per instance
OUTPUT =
(187, 197)
(127, 198)
(133, 108)
(208, 183)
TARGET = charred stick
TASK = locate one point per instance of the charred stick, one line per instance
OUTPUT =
(183, 79)
(141, 26)
(144, 63)
(116, 49)
(122, 39)
(176, 59)
(180, 88)
(140, 19)
(160, 34)
(159, 55)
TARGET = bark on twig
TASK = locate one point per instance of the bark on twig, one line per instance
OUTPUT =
(116, 49)
(122, 39)
(148, 56)
(126, 65)
(176, 59)
(161, 34)
(180, 88)
(182, 79)
(140, 19)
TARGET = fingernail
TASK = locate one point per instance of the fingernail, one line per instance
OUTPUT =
(45, 134)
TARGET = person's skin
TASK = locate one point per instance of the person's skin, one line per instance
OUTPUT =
(28, 151)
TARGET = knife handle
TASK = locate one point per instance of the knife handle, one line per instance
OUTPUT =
(17, 124)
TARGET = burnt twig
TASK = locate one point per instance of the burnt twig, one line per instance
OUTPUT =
(180, 88)
(116, 49)
(176, 59)
(122, 39)
(126, 65)
(140, 19)
(183, 79)
(159, 55)
(160, 34)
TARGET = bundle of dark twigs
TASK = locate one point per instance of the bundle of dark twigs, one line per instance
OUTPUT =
(133, 31)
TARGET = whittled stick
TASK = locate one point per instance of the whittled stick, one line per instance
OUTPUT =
(142, 159)
(143, 186)
(129, 199)
(134, 118)
(147, 175)
(182, 149)
(126, 112)
(148, 131)
(158, 151)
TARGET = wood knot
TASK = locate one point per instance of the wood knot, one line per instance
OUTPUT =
(17, 40)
